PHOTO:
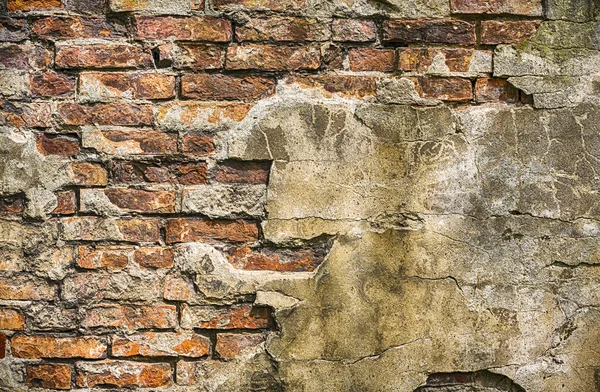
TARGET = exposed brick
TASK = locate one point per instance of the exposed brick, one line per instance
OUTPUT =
(18, 114)
(453, 59)
(129, 172)
(64, 27)
(154, 257)
(103, 257)
(445, 89)
(495, 90)
(12, 205)
(24, 346)
(171, 6)
(88, 174)
(261, 5)
(2, 346)
(198, 145)
(507, 32)
(25, 288)
(57, 145)
(13, 30)
(272, 58)
(102, 55)
(131, 317)
(121, 113)
(178, 288)
(123, 374)
(515, 7)
(283, 29)
(370, 59)
(230, 345)
(353, 30)
(159, 344)
(66, 203)
(52, 376)
(183, 28)
(344, 85)
(127, 200)
(241, 316)
(192, 230)
(192, 115)
(288, 260)
(226, 87)
(332, 58)
(96, 86)
(441, 31)
(32, 5)
(198, 57)
(11, 319)
(241, 172)
(24, 56)
(51, 85)
(89, 228)
(130, 142)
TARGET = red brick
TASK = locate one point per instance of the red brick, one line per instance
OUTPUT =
(52, 376)
(57, 145)
(261, 5)
(241, 316)
(198, 145)
(370, 59)
(198, 57)
(354, 30)
(64, 27)
(515, 7)
(131, 317)
(287, 260)
(442, 31)
(183, 28)
(123, 374)
(26, 288)
(226, 87)
(128, 172)
(506, 32)
(23, 346)
(159, 344)
(283, 29)
(102, 55)
(495, 90)
(18, 114)
(230, 345)
(32, 5)
(332, 58)
(272, 58)
(88, 174)
(2, 345)
(444, 89)
(89, 228)
(240, 172)
(131, 200)
(344, 85)
(24, 56)
(103, 257)
(98, 86)
(12, 205)
(11, 319)
(66, 203)
(131, 142)
(154, 257)
(51, 84)
(192, 230)
(121, 113)
(455, 59)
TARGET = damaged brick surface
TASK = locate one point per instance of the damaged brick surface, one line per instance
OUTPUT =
(299, 195)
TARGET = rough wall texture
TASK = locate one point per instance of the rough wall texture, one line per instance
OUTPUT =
(300, 195)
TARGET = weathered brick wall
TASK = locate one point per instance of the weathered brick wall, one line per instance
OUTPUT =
(184, 183)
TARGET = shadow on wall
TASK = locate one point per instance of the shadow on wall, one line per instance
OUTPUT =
(481, 381)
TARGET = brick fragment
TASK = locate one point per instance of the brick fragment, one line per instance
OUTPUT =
(230, 345)
(353, 30)
(127, 200)
(88, 174)
(441, 31)
(102, 55)
(165, 7)
(13, 30)
(11, 319)
(57, 145)
(240, 172)
(261, 5)
(198, 57)
(192, 115)
(192, 230)
(154, 257)
(26, 288)
(198, 145)
(122, 374)
(273, 58)
(226, 87)
(52, 376)
(103, 257)
(287, 260)
(370, 59)
(12, 205)
(438, 60)
(344, 85)
(129, 172)
(241, 316)
(32, 5)
(445, 89)
(51, 85)
(97, 86)
(120, 113)
(2, 346)
(179, 288)
(65, 27)
(18, 114)
(515, 7)
(183, 28)
(89, 228)
(130, 142)
(24, 346)
(283, 29)
(495, 90)
(507, 32)
(66, 203)
(24, 56)
(131, 317)
(159, 344)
